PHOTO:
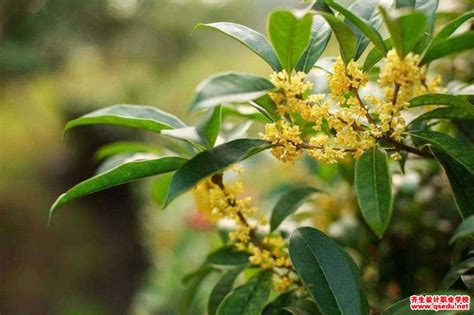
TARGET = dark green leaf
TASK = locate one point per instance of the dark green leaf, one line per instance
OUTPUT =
(373, 188)
(250, 38)
(121, 174)
(405, 30)
(289, 203)
(228, 256)
(192, 282)
(450, 46)
(461, 181)
(320, 35)
(222, 288)
(303, 307)
(212, 161)
(268, 105)
(439, 99)
(122, 147)
(459, 108)
(135, 116)
(363, 18)
(375, 56)
(464, 230)
(325, 272)
(320, 5)
(451, 27)
(346, 39)
(210, 126)
(229, 87)
(282, 300)
(464, 155)
(289, 36)
(456, 272)
(427, 7)
(250, 298)
(188, 134)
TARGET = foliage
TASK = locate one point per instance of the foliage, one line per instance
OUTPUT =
(351, 122)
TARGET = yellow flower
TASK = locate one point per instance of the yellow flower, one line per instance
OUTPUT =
(285, 139)
(345, 78)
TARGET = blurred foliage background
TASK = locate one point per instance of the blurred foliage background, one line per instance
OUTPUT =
(116, 252)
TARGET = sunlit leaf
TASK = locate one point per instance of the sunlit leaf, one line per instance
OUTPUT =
(374, 56)
(210, 126)
(346, 39)
(451, 27)
(449, 46)
(126, 147)
(320, 35)
(427, 7)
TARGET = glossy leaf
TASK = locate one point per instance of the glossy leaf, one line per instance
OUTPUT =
(243, 112)
(250, 298)
(363, 18)
(289, 36)
(250, 38)
(135, 116)
(464, 230)
(320, 35)
(289, 203)
(325, 272)
(373, 188)
(320, 5)
(210, 126)
(228, 256)
(427, 7)
(229, 87)
(222, 288)
(405, 30)
(449, 46)
(346, 39)
(458, 108)
(451, 27)
(461, 181)
(456, 272)
(212, 161)
(374, 56)
(126, 147)
(121, 174)
(462, 154)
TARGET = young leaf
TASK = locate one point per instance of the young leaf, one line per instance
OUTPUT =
(320, 35)
(373, 188)
(289, 36)
(375, 56)
(451, 27)
(250, 298)
(210, 127)
(229, 87)
(363, 18)
(222, 288)
(456, 272)
(325, 272)
(289, 203)
(406, 30)
(212, 161)
(462, 154)
(250, 38)
(450, 46)
(464, 230)
(121, 174)
(346, 39)
(135, 116)
(461, 181)
(427, 7)
(228, 256)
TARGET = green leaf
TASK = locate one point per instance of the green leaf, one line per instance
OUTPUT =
(346, 39)
(211, 162)
(461, 181)
(210, 127)
(250, 298)
(450, 46)
(464, 230)
(451, 27)
(122, 147)
(462, 154)
(456, 272)
(427, 7)
(303, 307)
(222, 288)
(250, 38)
(325, 271)
(289, 203)
(320, 35)
(459, 108)
(193, 281)
(405, 30)
(228, 256)
(375, 56)
(282, 300)
(363, 18)
(320, 5)
(188, 134)
(121, 174)
(242, 112)
(266, 103)
(289, 36)
(229, 87)
(373, 188)
(135, 116)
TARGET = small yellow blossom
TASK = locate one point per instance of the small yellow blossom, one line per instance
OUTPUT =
(282, 283)
(345, 78)
(286, 139)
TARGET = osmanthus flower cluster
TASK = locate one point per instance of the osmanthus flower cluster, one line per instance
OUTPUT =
(369, 110)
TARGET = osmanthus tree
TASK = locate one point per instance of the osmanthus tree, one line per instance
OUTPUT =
(388, 107)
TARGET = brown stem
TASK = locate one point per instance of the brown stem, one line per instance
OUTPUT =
(401, 146)
(359, 99)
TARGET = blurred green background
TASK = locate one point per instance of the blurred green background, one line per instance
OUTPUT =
(116, 252)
